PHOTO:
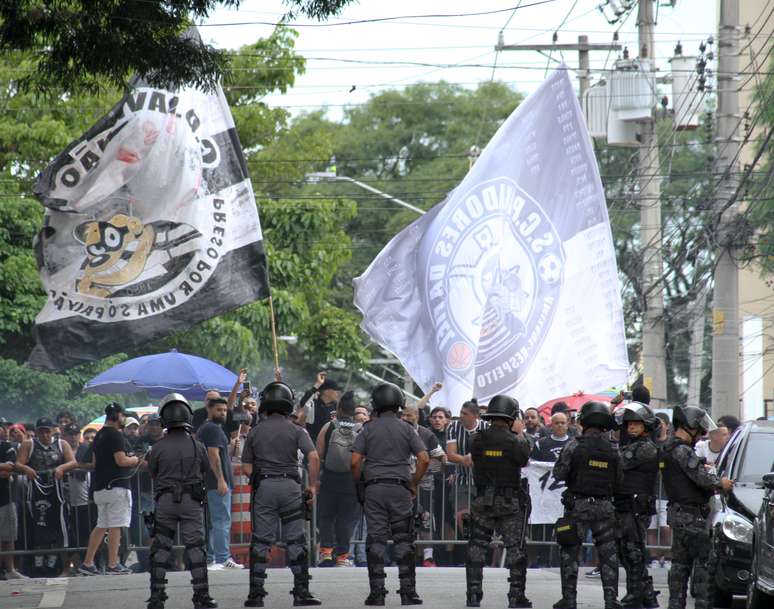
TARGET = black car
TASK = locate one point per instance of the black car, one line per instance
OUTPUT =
(748, 455)
(760, 593)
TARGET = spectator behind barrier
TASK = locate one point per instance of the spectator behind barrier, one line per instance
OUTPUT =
(8, 516)
(112, 474)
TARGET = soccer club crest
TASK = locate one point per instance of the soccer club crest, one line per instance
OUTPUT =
(493, 277)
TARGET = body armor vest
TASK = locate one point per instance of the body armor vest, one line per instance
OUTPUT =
(640, 480)
(679, 487)
(493, 459)
(593, 467)
(46, 457)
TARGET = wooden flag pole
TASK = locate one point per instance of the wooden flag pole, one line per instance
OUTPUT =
(277, 374)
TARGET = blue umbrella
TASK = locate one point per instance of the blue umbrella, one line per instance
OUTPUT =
(163, 373)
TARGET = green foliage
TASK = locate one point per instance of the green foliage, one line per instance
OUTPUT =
(760, 210)
(82, 45)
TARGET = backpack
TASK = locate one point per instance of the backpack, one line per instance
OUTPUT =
(338, 452)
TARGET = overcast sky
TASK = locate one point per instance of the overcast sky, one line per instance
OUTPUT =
(456, 42)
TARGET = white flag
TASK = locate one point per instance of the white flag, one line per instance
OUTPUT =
(509, 286)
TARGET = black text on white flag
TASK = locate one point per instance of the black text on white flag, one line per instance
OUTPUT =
(510, 285)
(151, 226)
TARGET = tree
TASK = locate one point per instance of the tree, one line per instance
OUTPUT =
(85, 44)
(306, 242)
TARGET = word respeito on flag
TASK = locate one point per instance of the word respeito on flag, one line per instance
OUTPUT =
(151, 226)
(510, 285)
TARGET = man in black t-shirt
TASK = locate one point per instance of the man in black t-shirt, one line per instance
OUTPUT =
(220, 482)
(8, 517)
(112, 473)
(548, 447)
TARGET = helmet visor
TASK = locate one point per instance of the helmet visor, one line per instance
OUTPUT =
(706, 423)
(633, 411)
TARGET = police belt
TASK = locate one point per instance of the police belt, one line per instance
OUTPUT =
(293, 477)
(395, 481)
(194, 490)
(505, 491)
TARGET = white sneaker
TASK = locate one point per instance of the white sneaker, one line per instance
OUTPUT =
(230, 563)
(216, 566)
(15, 575)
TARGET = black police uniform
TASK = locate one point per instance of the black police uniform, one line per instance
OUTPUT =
(635, 504)
(689, 486)
(178, 464)
(498, 456)
(591, 467)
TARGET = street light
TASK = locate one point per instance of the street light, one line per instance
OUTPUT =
(330, 176)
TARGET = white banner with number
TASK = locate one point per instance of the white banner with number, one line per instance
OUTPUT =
(545, 492)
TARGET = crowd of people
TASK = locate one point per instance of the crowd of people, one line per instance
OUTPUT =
(54, 478)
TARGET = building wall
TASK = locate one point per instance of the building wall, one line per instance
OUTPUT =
(756, 293)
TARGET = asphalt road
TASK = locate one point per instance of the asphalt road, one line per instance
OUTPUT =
(340, 588)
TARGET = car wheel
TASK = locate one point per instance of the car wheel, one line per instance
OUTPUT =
(756, 599)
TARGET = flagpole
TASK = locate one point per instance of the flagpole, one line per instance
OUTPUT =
(277, 374)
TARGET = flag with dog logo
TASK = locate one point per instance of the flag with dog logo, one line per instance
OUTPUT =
(510, 285)
(151, 226)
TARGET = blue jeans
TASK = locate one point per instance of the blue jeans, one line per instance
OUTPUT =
(219, 507)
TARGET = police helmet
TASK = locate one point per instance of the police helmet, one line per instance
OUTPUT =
(635, 411)
(387, 397)
(502, 407)
(692, 418)
(276, 397)
(175, 412)
(596, 414)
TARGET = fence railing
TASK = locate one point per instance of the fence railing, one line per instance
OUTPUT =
(442, 498)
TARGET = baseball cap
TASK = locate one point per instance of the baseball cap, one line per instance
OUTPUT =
(44, 422)
(131, 421)
(71, 430)
(154, 419)
(330, 384)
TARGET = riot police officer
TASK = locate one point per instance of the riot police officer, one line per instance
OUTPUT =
(689, 486)
(178, 463)
(498, 455)
(591, 467)
(387, 491)
(635, 501)
(270, 459)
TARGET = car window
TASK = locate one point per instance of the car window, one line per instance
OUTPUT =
(757, 458)
(726, 458)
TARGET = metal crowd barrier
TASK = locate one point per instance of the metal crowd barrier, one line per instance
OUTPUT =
(442, 498)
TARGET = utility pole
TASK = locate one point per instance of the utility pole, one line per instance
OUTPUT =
(583, 47)
(648, 172)
(725, 305)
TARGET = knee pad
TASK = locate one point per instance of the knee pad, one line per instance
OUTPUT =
(514, 557)
(258, 556)
(403, 530)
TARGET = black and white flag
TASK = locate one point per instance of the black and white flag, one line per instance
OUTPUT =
(151, 226)
(509, 286)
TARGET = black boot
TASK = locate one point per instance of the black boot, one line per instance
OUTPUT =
(474, 576)
(649, 596)
(203, 600)
(375, 598)
(301, 595)
(630, 601)
(408, 583)
(565, 603)
(516, 596)
(156, 600)
(256, 594)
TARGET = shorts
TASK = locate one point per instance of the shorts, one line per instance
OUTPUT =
(659, 519)
(464, 493)
(114, 507)
(8, 522)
